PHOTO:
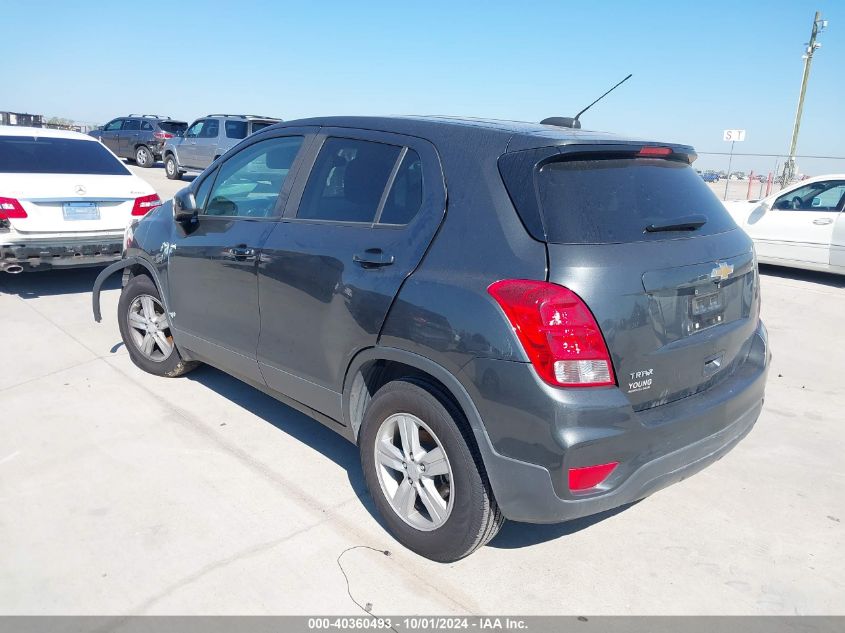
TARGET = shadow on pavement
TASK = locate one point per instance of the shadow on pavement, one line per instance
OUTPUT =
(339, 450)
(515, 535)
(290, 421)
(782, 272)
(54, 282)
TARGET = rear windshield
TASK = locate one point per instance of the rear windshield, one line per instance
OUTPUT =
(173, 127)
(45, 155)
(614, 200)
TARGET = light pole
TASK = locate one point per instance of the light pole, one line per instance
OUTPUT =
(819, 25)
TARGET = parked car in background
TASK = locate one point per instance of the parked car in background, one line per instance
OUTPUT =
(65, 200)
(139, 137)
(579, 330)
(208, 138)
(802, 225)
(710, 176)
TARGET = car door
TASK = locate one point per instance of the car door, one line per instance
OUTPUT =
(353, 231)
(188, 147)
(109, 134)
(799, 224)
(127, 137)
(205, 149)
(212, 262)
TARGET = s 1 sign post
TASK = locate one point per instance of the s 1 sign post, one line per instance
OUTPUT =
(734, 136)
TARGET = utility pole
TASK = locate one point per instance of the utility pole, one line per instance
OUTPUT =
(819, 25)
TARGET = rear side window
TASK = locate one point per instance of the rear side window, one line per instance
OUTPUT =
(132, 125)
(43, 155)
(235, 129)
(173, 127)
(259, 125)
(347, 181)
(146, 125)
(613, 200)
(405, 195)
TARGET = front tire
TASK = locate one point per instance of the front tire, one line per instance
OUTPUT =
(146, 331)
(425, 473)
(144, 157)
(171, 168)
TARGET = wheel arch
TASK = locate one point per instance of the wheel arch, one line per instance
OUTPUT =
(376, 366)
(136, 265)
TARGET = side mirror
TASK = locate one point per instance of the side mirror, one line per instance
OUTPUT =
(184, 206)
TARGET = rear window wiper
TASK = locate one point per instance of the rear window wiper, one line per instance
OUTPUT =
(683, 223)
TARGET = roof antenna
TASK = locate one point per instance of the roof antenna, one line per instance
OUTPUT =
(562, 121)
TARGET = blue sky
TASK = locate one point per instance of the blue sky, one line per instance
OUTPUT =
(699, 67)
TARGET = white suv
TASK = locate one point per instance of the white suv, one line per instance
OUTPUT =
(65, 200)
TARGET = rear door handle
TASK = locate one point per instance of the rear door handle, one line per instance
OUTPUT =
(241, 253)
(823, 221)
(373, 258)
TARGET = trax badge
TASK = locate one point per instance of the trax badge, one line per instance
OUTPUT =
(640, 380)
(721, 272)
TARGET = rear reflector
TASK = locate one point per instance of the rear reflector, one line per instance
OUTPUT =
(589, 476)
(145, 204)
(655, 151)
(10, 208)
(558, 332)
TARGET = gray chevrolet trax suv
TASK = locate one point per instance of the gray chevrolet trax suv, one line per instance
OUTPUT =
(510, 320)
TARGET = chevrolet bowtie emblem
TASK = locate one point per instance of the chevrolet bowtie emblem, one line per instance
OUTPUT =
(721, 272)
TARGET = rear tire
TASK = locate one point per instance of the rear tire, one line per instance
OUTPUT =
(465, 515)
(171, 168)
(144, 157)
(146, 331)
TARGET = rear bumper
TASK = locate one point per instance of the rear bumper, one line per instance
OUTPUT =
(654, 448)
(61, 253)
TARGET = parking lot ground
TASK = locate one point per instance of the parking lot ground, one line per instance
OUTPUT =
(123, 493)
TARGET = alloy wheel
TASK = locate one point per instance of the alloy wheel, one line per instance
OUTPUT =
(149, 329)
(414, 471)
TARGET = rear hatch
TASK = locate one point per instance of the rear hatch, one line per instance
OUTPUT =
(643, 241)
(66, 185)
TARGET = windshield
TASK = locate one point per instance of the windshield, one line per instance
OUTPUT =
(45, 155)
(614, 200)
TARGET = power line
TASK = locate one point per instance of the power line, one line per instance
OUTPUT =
(773, 155)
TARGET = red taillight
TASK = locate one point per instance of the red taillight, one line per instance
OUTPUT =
(145, 204)
(655, 151)
(162, 135)
(10, 208)
(557, 331)
(589, 476)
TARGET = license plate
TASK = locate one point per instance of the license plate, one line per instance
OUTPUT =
(80, 211)
(707, 304)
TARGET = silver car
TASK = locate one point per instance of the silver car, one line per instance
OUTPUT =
(208, 138)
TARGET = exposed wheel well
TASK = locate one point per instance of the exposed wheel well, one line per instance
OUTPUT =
(377, 373)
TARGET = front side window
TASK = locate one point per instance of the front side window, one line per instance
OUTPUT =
(248, 184)
(817, 196)
(195, 130)
(235, 129)
(113, 126)
(210, 129)
(347, 181)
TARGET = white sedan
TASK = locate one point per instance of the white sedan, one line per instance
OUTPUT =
(802, 225)
(65, 200)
